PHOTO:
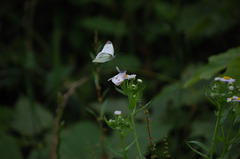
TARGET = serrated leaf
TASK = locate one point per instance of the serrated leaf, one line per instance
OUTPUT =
(233, 69)
(216, 64)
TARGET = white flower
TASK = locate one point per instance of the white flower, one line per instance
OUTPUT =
(139, 80)
(225, 79)
(231, 88)
(130, 76)
(117, 112)
(234, 98)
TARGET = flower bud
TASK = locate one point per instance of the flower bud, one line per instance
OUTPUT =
(139, 80)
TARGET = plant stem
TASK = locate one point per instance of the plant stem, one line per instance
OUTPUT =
(226, 140)
(99, 96)
(123, 146)
(135, 136)
(215, 134)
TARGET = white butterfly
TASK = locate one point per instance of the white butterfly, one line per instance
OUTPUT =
(106, 54)
(119, 78)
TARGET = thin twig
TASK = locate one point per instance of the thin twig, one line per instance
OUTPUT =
(62, 101)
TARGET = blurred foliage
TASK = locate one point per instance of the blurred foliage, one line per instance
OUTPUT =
(45, 47)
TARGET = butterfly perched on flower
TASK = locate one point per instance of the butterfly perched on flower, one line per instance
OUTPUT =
(120, 77)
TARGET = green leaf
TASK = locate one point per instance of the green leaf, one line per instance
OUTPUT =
(204, 147)
(6, 114)
(130, 145)
(9, 148)
(144, 107)
(91, 112)
(105, 119)
(228, 60)
(196, 151)
(116, 152)
(120, 91)
(233, 69)
(31, 118)
(104, 104)
(80, 140)
(224, 115)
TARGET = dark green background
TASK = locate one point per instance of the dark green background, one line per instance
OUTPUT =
(47, 45)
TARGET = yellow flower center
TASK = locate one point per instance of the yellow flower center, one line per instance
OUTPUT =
(227, 78)
(126, 75)
(238, 98)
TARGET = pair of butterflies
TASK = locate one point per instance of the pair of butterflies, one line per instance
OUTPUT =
(106, 54)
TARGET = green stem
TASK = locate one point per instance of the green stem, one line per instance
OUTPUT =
(135, 136)
(124, 147)
(226, 140)
(215, 135)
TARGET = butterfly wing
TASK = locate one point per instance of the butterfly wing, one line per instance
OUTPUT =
(103, 57)
(119, 78)
(108, 48)
(106, 54)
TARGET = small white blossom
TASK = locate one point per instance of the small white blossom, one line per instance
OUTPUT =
(225, 79)
(234, 98)
(130, 76)
(231, 88)
(117, 112)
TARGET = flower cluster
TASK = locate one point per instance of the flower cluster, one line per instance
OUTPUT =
(119, 123)
(224, 90)
(225, 94)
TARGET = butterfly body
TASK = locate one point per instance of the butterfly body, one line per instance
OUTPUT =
(106, 54)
